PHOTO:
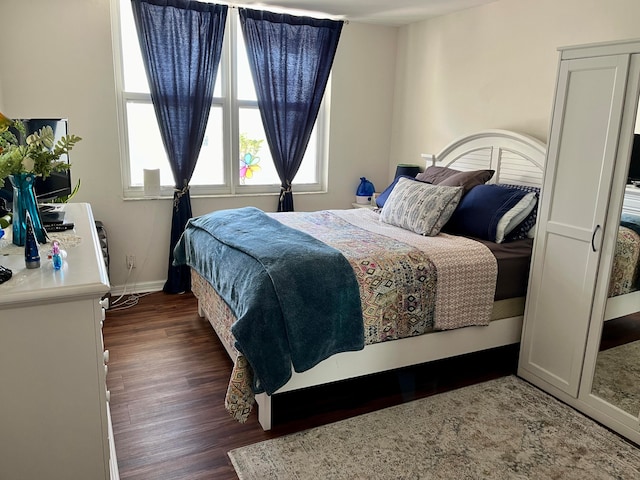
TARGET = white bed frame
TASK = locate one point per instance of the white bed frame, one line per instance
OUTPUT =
(517, 159)
(622, 305)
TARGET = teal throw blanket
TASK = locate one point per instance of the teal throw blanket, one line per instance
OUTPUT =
(296, 299)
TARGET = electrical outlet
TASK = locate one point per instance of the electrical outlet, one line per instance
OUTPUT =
(131, 261)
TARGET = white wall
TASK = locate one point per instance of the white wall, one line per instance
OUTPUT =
(492, 66)
(64, 67)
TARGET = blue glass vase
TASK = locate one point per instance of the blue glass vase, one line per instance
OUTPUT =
(24, 200)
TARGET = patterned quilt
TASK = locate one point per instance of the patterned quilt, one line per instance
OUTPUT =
(409, 284)
(402, 274)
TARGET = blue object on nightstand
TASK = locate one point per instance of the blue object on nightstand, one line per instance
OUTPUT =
(365, 191)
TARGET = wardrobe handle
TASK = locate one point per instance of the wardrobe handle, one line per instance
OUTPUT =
(593, 238)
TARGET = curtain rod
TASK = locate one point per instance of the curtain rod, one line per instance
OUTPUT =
(269, 8)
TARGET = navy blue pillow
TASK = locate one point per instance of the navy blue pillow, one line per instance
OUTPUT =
(380, 199)
(481, 209)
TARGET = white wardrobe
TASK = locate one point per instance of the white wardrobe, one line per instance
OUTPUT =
(590, 142)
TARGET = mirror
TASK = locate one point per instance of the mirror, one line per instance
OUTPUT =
(617, 371)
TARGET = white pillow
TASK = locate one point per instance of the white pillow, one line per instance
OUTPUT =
(515, 216)
(420, 207)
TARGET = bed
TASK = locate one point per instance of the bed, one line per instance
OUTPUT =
(492, 321)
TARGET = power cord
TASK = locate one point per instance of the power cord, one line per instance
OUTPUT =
(130, 301)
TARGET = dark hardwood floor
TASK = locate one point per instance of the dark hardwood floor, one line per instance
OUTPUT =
(168, 376)
(620, 331)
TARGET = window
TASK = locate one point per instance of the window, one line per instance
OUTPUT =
(235, 156)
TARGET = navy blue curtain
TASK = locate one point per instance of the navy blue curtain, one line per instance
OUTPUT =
(290, 59)
(181, 42)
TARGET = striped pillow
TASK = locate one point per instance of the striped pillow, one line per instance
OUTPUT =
(526, 228)
(420, 207)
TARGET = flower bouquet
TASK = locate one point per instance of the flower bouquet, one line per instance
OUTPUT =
(21, 162)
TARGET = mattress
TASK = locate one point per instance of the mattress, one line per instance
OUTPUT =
(221, 317)
(514, 259)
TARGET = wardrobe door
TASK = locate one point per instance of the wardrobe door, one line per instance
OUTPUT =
(580, 161)
(610, 385)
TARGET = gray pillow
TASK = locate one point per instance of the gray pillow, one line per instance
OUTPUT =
(454, 178)
(420, 207)
(435, 175)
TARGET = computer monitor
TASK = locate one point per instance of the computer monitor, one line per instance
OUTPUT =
(634, 162)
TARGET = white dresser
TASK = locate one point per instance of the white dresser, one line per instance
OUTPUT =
(54, 413)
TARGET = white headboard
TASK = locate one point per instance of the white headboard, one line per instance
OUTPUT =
(515, 157)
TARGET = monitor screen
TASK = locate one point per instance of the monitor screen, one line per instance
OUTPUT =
(58, 183)
(634, 162)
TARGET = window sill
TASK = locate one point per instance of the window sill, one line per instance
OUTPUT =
(139, 197)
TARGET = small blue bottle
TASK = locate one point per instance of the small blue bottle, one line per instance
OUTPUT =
(31, 252)
(56, 258)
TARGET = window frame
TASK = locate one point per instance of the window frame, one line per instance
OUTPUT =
(231, 107)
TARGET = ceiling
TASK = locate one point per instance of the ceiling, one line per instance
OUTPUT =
(386, 12)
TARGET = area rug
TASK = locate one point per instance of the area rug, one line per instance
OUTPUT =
(501, 429)
(617, 377)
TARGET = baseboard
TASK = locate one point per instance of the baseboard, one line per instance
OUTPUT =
(139, 287)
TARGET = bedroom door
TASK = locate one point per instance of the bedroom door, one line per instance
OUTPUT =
(581, 157)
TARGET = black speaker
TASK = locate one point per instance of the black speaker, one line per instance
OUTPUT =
(104, 244)
(409, 170)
